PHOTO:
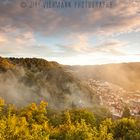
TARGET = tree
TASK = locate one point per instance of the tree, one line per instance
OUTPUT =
(123, 127)
(32, 123)
(126, 112)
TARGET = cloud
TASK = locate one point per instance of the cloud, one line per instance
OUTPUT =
(59, 21)
(22, 45)
(80, 44)
(3, 39)
(19, 26)
(122, 18)
(111, 47)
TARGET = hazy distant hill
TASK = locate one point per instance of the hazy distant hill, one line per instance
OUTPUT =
(126, 75)
(30, 80)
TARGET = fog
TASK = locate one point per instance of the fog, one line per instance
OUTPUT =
(126, 75)
(59, 91)
(63, 89)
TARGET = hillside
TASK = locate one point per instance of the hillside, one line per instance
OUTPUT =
(23, 81)
(26, 80)
(126, 75)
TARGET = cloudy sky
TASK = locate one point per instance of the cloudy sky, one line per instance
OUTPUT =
(71, 35)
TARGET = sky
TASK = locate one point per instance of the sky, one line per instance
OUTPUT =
(73, 36)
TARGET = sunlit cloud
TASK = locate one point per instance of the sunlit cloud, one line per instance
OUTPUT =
(75, 33)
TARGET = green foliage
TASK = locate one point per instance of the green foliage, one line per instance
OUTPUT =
(36, 122)
(82, 114)
(35, 64)
(126, 112)
(101, 113)
(5, 64)
(126, 129)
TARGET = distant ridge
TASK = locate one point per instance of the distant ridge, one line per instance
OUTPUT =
(126, 75)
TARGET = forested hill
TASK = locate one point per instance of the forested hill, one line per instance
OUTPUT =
(126, 75)
(23, 81)
(26, 80)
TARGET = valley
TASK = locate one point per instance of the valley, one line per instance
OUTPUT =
(115, 98)
(27, 80)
